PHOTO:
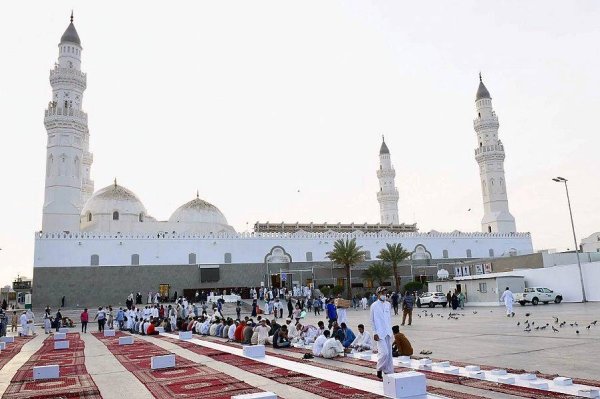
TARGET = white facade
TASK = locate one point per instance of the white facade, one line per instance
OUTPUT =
(490, 157)
(591, 243)
(68, 160)
(78, 249)
(388, 193)
(112, 227)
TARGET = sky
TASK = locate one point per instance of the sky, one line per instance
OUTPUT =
(274, 110)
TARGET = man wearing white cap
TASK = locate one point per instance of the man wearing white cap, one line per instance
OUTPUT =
(381, 323)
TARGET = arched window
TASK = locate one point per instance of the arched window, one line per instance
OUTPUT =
(89, 216)
(192, 258)
(95, 260)
(135, 260)
(491, 252)
(115, 215)
(445, 254)
(227, 257)
(468, 253)
(309, 257)
(141, 217)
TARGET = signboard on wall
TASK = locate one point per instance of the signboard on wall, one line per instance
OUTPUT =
(465, 270)
(487, 267)
(478, 269)
(458, 271)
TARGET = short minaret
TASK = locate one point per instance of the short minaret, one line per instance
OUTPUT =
(68, 160)
(490, 157)
(388, 194)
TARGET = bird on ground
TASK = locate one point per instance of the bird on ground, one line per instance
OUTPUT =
(554, 329)
(419, 316)
(537, 328)
(518, 324)
(571, 324)
(577, 332)
(533, 322)
(527, 321)
(576, 324)
(474, 312)
(564, 323)
(555, 319)
(527, 314)
(594, 322)
(527, 330)
(543, 327)
(588, 327)
(432, 315)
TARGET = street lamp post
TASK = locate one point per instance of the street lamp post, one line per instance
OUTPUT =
(563, 180)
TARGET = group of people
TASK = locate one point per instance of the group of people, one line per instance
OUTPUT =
(456, 299)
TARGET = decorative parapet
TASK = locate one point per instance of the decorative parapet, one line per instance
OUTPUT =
(55, 114)
(489, 148)
(269, 236)
(484, 123)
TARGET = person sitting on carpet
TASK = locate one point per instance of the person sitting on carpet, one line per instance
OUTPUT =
(338, 332)
(319, 342)
(232, 330)
(321, 326)
(363, 340)
(307, 333)
(348, 335)
(213, 327)
(401, 345)
(332, 347)
(247, 333)
(239, 331)
(280, 339)
(262, 332)
(292, 332)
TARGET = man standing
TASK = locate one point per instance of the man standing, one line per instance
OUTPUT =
(381, 324)
(408, 302)
(331, 313)
(395, 301)
(508, 298)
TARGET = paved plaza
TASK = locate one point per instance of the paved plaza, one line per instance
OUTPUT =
(481, 336)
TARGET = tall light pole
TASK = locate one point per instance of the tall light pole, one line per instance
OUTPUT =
(563, 180)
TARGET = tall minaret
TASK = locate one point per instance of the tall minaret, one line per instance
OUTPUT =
(388, 194)
(68, 160)
(490, 157)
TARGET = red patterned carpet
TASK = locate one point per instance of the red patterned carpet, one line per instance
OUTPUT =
(301, 381)
(187, 380)
(74, 381)
(12, 349)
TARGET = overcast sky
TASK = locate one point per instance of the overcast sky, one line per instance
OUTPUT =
(249, 102)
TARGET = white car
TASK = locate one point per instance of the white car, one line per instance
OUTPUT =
(535, 295)
(431, 299)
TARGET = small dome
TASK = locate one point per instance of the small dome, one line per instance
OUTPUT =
(200, 216)
(114, 198)
(70, 35)
(482, 92)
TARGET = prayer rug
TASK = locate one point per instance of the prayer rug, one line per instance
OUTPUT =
(12, 349)
(74, 381)
(186, 380)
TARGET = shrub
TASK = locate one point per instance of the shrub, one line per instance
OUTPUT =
(413, 286)
(338, 289)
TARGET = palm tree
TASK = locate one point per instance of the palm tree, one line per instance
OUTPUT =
(378, 272)
(347, 253)
(394, 254)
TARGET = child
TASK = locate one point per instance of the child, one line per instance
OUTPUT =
(14, 320)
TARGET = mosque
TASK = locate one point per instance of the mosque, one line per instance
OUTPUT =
(98, 246)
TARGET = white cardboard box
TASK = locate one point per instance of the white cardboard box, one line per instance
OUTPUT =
(563, 381)
(127, 340)
(404, 385)
(61, 344)
(589, 393)
(498, 372)
(451, 370)
(59, 336)
(2, 345)
(538, 384)
(63, 330)
(185, 335)
(477, 374)
(404, 359)
(46, 372)
(259, 395)
(472, 368)
(8, 340)
(162, 362)
(441, 364)
(528, 377)
(160, 329)
(109, 333)
(506, 379)
(254, 350)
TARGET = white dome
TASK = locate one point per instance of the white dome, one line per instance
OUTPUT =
(114, 198)
(199, 216)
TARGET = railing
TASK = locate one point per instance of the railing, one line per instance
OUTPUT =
(489, 148)
(57, 71)
(59, 111)
(268, 236)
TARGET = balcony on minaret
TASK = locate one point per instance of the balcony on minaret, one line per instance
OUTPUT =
(74, 76)
(54, 115)
(482, 123)
(386, 173)
(388, 195)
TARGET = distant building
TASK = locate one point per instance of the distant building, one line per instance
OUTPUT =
(591, 243)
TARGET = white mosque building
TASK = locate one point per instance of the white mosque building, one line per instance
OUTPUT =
(102, 234)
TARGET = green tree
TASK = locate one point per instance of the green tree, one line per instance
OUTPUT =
(378, 272)
(413, 286)
(394, 254)
(348, 254)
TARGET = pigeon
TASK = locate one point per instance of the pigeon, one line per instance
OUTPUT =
(555, 319)
(474, 312)
(432, 315)
(588, 327)
(547, 324)
(527, 321)
(537, 328)
(594, 322)
(576, 324)
(543, 327)
(564, 323)
(518, 324)
(419, 316)
(554, 329)
(533, 322)
(527, 314)
(577, 331)
(527, 330)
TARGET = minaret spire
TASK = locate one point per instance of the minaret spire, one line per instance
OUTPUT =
(489, 155)
(71, 16)
(388, 194)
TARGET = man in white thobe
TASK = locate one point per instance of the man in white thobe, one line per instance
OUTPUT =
(319, 342)
(381, 324)
(332, 348)
(508, 298)
(363, 340)
(24, 325)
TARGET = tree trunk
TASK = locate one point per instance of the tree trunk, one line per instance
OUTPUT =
(395, 265)
(348, 283)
